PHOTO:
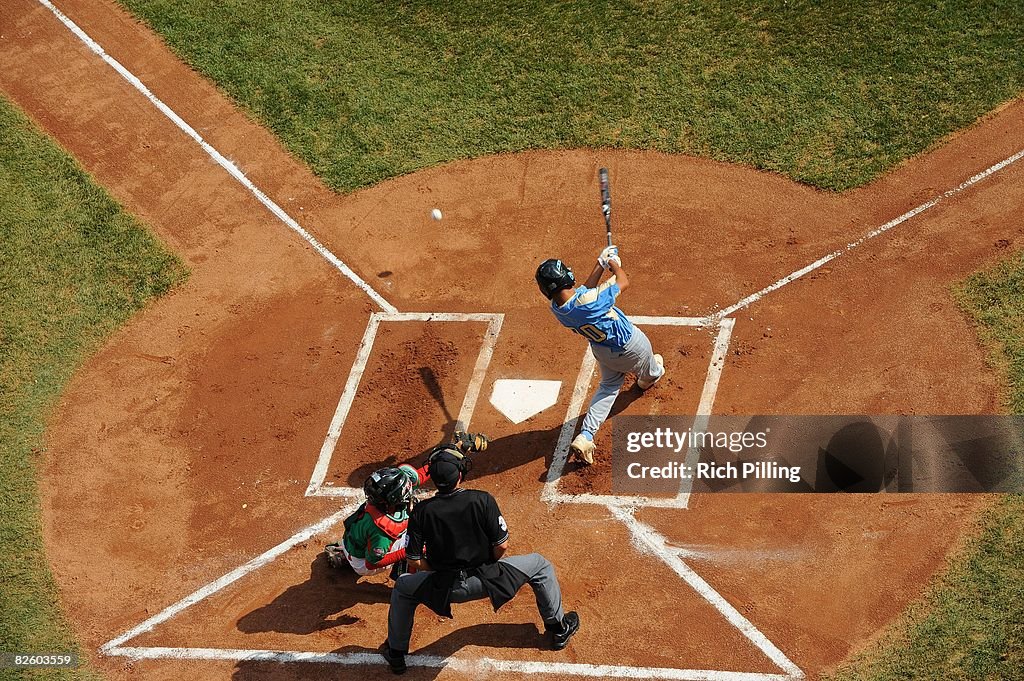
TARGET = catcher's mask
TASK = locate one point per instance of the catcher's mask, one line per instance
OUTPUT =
(553, 275)
(447, 465)
(388, 489)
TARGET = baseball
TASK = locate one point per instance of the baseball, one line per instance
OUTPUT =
(436, 213)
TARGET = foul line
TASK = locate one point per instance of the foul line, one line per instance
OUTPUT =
(647, 540)
(754, 297)
(220, 159)
(112, 647)
(348, 395)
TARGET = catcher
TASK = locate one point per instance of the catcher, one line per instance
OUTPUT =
(375, 534)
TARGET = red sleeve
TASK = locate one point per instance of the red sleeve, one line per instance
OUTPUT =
(424, 473)
(388, 559)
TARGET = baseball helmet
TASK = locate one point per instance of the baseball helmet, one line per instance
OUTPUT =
(388, 489)
(553, 275)
(447, 465)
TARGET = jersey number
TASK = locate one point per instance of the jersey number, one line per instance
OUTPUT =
(591, 333)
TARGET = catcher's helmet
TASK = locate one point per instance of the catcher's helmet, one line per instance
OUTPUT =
(388, 489)
(553, 275)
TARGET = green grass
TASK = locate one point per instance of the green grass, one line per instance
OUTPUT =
(995, 300)
(73, 266)
(831, 93)
(970, 626)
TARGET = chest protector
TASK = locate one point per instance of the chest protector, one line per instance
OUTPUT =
(385, 523)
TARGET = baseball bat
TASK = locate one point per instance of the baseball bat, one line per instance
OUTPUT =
(606, 202)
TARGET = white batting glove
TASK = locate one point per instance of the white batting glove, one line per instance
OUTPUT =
(607, 255)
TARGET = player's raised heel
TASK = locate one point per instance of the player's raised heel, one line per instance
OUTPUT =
(645, 385)
(583, 449)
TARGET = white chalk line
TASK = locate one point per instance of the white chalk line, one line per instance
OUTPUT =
(551, 495)
(231, 577)
(220, 159)
(494, 321)
(348, 395)
(734, 556)
(707, 398)
(332, 491)
(474, 666)
(476, 382)
(647, 540)
(754, 297)
(653, 320)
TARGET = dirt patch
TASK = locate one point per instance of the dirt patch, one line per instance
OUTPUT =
(167, 474)
(409, 397)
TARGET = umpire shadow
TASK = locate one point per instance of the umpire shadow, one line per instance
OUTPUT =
(490, 635)
(316, 604)
(496, 635)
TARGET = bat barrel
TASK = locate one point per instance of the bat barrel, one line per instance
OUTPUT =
(606, 202)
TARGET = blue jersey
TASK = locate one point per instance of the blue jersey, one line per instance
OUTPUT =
(591, 312)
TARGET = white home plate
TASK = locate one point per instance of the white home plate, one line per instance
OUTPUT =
(519, 399)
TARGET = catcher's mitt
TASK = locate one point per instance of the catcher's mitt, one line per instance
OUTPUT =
(336, 557)
(469, 442)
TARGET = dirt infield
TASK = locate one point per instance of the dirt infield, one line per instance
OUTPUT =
(183, 449)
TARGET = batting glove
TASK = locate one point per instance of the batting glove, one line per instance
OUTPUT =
(609, 254)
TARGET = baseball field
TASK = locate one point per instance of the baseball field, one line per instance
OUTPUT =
(225, 302)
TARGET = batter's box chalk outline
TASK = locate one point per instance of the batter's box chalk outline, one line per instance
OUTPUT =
(644, 538)
(317, 487)
(551, 493)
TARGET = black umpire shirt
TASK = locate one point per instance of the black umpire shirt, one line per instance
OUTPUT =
(457, 533)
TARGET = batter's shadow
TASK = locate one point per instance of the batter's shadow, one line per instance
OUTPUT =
(317, 604)
(519, 449)
(503, 454)
(492, 635)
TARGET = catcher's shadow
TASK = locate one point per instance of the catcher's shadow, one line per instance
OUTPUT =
(317, 604)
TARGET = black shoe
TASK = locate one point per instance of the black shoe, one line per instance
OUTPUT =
(570, 625)
(396, 660)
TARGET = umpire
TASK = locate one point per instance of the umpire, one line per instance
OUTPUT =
(456, 550)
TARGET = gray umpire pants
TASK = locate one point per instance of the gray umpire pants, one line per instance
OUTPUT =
(637, 357)
(540, 574)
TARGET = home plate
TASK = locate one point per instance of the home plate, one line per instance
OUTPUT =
(520, 399)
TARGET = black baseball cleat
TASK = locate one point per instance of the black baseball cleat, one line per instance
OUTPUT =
(395, 659)
(570, 625)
